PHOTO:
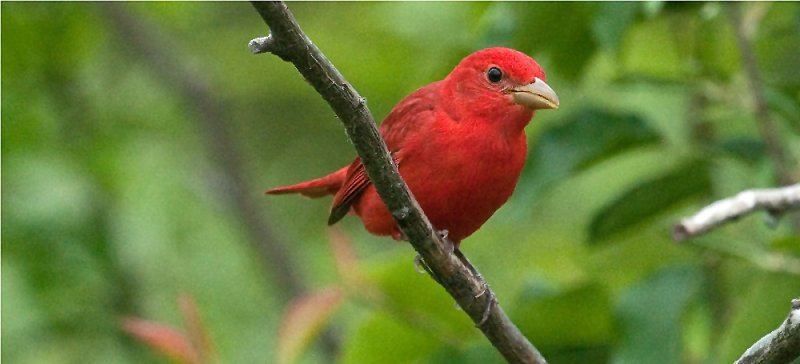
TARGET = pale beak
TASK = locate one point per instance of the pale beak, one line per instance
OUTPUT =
(536, 95)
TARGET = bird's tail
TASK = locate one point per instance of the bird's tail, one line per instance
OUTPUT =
(314, 188)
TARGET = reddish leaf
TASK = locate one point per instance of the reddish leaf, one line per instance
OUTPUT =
(162, 338)
(344, 255)
(195, 329)
(303, 320)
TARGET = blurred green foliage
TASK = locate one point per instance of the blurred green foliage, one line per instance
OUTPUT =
(114, 206)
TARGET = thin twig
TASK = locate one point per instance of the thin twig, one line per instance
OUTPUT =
(224, 150)
(211, 116)
(766, 125)
(290, 44)
(776, 201)
(780, 346)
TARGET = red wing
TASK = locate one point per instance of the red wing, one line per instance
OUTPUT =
(413, 113)
(355, 183)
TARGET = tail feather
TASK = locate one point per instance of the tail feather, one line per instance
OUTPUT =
(319, 187)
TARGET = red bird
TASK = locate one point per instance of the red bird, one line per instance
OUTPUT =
(459, 144)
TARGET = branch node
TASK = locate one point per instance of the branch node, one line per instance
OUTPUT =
(261, 44)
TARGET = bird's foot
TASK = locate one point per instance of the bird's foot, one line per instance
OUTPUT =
(484, 289)
(419, 265)
(489, 305)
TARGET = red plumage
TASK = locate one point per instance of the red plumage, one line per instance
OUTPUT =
(459, 144)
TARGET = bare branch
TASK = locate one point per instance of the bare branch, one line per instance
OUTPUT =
(782, 345)
(776, 201)
(469, 290)
(766, 125)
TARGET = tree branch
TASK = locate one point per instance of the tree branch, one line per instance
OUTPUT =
(782, 345)
(288, 42)
(775, 201)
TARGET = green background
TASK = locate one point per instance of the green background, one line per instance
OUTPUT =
(118, 195)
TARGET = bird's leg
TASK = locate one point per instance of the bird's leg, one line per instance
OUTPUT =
(450, 247)
(421, 267)
(419, 263)
(479, 277)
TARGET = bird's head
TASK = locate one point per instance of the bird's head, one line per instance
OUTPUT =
(499, 82)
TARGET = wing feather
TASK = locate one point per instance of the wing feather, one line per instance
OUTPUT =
(409, 115)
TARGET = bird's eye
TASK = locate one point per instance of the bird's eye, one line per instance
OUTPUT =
(494, 74)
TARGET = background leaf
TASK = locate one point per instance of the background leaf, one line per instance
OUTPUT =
(571, 325)
(582, 139)
(651, 316)
(303, 320)
(651, 198)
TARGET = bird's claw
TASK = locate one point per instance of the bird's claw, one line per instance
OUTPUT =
(418, 264)
(483, 291)
(492, 302)
(421, 267)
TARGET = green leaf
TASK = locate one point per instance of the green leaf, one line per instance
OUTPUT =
(758, 309)
(416, 299)
(382, 338)
(776, 43)
(650, 49)
(582, 140)
(789, 244)
(650, 198)
(481, 352)
(750, 150)
(650, 316)
(303, 320)
(716, 46)
(565, 320)
(559, 30)
(611, 21)
(785, 106)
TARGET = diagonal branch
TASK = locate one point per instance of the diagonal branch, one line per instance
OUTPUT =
(775, 201)
(782, 345)
(288, 42)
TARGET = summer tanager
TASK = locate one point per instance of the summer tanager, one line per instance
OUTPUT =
(458, 143)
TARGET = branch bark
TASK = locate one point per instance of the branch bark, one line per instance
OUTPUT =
(780, 346)
(288, 42)
(776, 201)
